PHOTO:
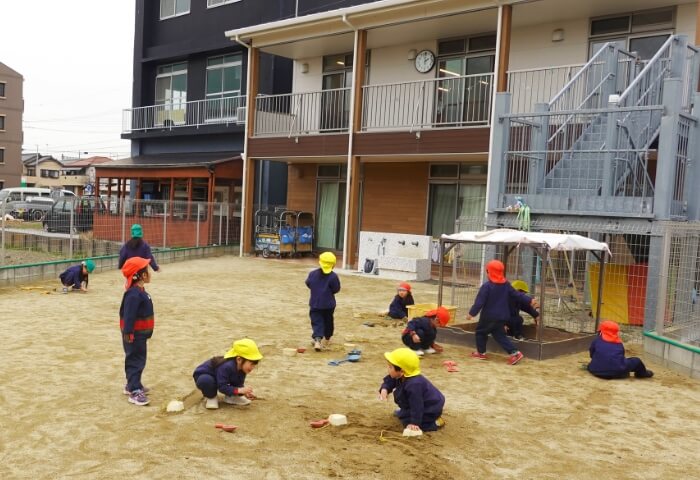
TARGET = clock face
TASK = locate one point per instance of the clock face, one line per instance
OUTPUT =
(425, 61)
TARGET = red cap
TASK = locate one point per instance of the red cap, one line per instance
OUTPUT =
(495, 271)
(405, 286)
(442, 315)
(610, 331)
(133, 266)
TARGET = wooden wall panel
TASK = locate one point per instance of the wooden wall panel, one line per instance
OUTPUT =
(395, 197)
(301, 187)
(459, 140)
(303, 146)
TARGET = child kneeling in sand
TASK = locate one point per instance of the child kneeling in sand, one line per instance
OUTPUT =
(227, 374)
(420, 333)
(608, 355)
(398, 309)
(420, 403)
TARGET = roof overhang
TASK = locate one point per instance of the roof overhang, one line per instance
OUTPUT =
(146, 162)
(344, 21)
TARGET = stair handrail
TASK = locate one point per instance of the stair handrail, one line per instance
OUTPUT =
(647, 68)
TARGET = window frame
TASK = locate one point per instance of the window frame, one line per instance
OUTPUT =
(175, 14)
(2, 155)
(3, 89)
(463, 177)
(2, 122)
(221, 3)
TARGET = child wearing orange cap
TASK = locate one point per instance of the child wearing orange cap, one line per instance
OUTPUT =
(136, 320)
(323, 283)
(608, 355)
(420, 333)
(227, 374)
(420, 402)
(398, 308)
(493, 302)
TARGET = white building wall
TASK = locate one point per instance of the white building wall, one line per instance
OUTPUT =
(686, 16)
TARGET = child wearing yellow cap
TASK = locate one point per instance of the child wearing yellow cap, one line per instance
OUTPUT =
(420, 402)
(227, 374)
(323, 283)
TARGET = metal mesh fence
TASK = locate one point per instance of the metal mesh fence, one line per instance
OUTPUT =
(90, 226)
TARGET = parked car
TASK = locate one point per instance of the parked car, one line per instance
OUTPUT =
(13, 196)
(33, 209)
(72, 214)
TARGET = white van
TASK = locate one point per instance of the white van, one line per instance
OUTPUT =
(10, 198)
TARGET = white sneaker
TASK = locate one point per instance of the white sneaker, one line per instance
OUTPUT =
(236, 400)
(419, 352)
(317, 346)
(212, 403)
(430, 350)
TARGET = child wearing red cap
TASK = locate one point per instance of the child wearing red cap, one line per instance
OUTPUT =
(493, 302)
(136, 320)
(608, 355)
(420, 333)
(398, 308)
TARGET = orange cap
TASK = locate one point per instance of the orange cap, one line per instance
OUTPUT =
(133, 266)
(442, 315)
(405, 286)
(610, 331)
(495, 271)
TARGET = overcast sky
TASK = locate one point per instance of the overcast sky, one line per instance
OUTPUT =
(76, 60)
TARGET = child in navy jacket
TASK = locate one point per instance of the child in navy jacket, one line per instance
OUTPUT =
(493, 302)
(75, 276)
(608, 355)
(398, 308)
(420, 333)
(420, 403)
(514, 325)
(136, 246)
(324, 284)
(227, 374)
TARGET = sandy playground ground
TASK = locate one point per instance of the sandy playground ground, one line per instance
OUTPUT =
(64, 414)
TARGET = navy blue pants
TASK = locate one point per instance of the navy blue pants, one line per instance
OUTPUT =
(427, 425)
(497, 330)
(135, 354)
(515, 326)
(207, 384)
(424, 344)
(634, 365)
(322, 322)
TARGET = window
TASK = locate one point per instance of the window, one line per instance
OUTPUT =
(171, 94)
(216, 3)
(31, 171)
(173, 8)
(2, 89)
(223, 86)
(456, 190)
(49, 173)
(2, 155)
(2, 123)
(642, 33)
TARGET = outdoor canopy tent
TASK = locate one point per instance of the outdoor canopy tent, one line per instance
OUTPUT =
(541, 243)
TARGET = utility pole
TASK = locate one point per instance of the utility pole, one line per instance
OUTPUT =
(36, 173)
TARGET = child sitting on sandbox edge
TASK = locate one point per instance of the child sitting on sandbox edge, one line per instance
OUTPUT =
(420, 403)
(608, 356)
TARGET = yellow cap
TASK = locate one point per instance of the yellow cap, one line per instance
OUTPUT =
(327, 261)
(244, 348)
(520, 285)
(406, 359)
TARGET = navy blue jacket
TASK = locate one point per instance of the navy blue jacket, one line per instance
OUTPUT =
(143, 251)
(420, 402)
(515, 308)
(136, 313)
(74, 276)
(607, 358)
(397, 308)
(493, 301)
(423, 326)
(228, 378)
(323, 289)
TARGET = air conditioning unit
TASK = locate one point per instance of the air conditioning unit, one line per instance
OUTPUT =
(241, 115)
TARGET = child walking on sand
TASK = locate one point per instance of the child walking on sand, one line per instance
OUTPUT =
(324, 284)
(514, 325)
(608, 355)
(420, 403)
(76, 277)
(136, 321)
(227, 374)
(398, 308)
(420, 333)
(493, 302)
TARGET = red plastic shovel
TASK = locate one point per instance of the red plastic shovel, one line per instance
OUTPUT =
(319, 423)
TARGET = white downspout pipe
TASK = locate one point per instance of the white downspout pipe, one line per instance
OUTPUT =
(250, 103)
(350, 173)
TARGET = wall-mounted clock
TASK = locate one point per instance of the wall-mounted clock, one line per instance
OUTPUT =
(425, 60)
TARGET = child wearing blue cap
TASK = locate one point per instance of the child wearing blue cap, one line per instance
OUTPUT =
(137, 247)
(324, 284)
(77, 276)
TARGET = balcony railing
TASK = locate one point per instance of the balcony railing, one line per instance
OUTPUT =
(308, 113)
(185, 114)
(456, 101)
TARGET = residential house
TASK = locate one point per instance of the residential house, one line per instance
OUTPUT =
(11, 136)
(46, 172)
(79, 176)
